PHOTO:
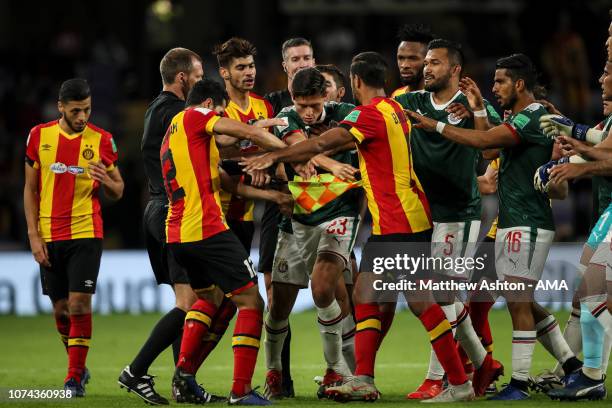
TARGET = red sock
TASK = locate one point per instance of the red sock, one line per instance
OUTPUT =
(245, 344)
(367, 337)
(78, 344)
(441, 337)
(219, 325)
(62, 324)
(386, 319)
(479, 313)
(197, 322)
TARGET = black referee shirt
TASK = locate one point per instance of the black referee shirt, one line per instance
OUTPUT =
(279, 100)
(157, 119)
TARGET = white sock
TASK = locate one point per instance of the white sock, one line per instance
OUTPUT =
(599, 309)
(573, 336)
(467, 337)
(435, 370)
(276, 332)
(523, 343)
(330, 327)
(348, 341)
(549, 335)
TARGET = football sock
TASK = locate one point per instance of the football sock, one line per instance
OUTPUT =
(348, 341)
(165, 332)
(593, 342)
(197, 322)
(549, 335)
(441, 337)
(367, 337)
(62, 324)
(330, 327)
(479, 313)
(573, 336)
(386, 319)
(78, 344)
(286, 358)
(225, 313)
(467, 337)
(276, 331)
(245, 344)
(523, 343)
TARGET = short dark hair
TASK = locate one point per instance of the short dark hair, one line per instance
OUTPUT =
(233, 48)
(519, 66)
(335, 72)
(371, 67)
(204, 89)
(454, 49)
(175, 61)
(294, 42)
(75, 89)
(415, 33)
(308, 82)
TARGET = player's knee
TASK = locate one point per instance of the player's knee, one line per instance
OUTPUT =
(249, 299)
(60, 309)
(79, 303)
(322, 293)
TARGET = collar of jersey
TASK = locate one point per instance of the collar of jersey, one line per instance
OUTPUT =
(445, 105)
(68, 136)
(237, 107)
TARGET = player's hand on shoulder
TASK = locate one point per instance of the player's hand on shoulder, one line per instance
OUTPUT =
(550, 108)
(421, 122)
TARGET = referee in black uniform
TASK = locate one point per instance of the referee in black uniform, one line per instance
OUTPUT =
(180, 69)
(297, 54)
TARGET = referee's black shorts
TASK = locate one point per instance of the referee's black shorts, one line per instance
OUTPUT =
(268, 236)
(164, 265)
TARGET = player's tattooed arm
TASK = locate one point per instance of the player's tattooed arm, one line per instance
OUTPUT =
(497, 137)
(31, 207)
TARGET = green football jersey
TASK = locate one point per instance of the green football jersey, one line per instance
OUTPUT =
(347, 204)
(446, 170)
(602, 186)
(520, 204)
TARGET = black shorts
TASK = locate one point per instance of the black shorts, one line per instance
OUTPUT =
(164, 266)
(244, 231)
(75, 265)
(486, 251)
(414, 245)
(219, 260)
(268, 237)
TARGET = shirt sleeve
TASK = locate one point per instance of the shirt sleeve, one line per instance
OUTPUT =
(32, 145)
(363, 123)
(284, 131)
(526, 125)
(201, 119)
(108, 152)
(492, 114)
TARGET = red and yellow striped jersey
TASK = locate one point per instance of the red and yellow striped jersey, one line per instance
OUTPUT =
(190, 161)
(69, 207)
(234, 207)
(400, 91)
(395, 197)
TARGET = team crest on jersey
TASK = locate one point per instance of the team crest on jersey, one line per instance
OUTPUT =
(88, 152)
(58, 168)
(280, 128)
(452, 119)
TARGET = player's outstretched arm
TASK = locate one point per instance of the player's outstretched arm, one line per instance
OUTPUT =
(300, 152)
(497, 137)
(557, 125)
(341, 170)
(31, 207)
(602, 151)
(257, 135)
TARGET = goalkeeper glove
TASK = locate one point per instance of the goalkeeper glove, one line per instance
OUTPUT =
(555, 125)
(541, 178)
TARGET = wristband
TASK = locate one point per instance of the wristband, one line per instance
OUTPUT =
(440, 127)
(579, 131)
(480, 113)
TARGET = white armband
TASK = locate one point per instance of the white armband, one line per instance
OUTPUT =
(480, 113)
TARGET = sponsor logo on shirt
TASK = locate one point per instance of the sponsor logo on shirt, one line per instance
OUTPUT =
(76, 170)
(58, 168)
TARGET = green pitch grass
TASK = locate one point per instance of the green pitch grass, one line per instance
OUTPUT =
(32, 356)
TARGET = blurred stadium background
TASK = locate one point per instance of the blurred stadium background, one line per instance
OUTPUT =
(117, 46)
